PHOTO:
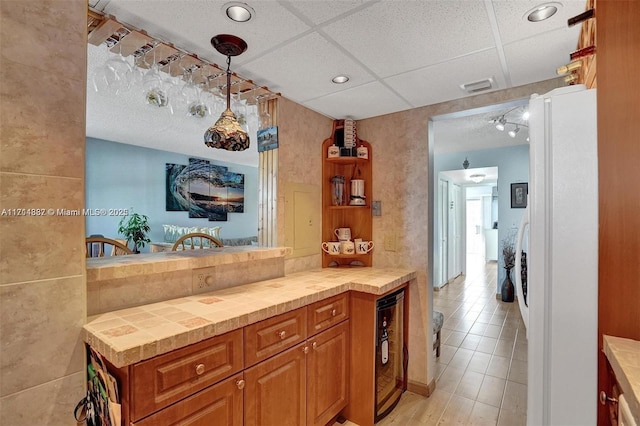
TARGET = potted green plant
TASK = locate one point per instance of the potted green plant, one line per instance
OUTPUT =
(134, 227)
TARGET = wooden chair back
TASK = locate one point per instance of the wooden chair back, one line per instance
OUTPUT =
(118, 248)
(196, 238)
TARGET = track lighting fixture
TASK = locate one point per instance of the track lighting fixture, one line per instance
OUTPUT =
(501, 122)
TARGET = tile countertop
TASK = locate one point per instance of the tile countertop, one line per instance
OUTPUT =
(624, 357)
(113, 267)
(130, 335)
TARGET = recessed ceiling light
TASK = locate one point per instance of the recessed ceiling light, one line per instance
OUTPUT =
(238, 12)
(542, 12)
(340, 79)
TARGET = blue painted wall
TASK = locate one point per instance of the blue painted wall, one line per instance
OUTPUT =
(513, 167)
(120, 176)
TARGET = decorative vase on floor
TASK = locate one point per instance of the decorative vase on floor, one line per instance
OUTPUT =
(507, 287)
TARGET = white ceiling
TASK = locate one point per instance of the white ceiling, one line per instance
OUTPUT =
(399, 54)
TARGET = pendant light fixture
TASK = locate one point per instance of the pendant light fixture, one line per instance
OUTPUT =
(227, 132)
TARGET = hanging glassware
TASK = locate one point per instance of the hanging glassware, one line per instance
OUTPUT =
(155, 90)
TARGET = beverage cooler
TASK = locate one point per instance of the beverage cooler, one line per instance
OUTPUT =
(391, 353)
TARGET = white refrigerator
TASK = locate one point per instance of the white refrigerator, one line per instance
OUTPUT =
(562, 261)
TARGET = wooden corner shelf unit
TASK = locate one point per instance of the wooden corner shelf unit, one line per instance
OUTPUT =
(358, 218)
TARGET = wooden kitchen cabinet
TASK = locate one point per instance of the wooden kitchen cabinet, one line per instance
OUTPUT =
(152, 385)
(220, 404)
(276, 389)
(358, 218)
(327, 374)
(307, 384)
(290, 369)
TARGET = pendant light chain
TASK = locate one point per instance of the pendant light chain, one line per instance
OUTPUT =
(228, 82)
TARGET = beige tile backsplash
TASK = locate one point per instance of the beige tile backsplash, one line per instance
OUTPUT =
(120, 293)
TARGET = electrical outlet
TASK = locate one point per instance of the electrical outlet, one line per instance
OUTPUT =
(390, 242)
(201, 281)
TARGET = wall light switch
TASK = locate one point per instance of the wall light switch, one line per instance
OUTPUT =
(376, 208)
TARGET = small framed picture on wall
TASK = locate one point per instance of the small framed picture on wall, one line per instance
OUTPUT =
(519, 193)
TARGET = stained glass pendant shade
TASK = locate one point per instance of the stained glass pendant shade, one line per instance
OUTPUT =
(227, 132)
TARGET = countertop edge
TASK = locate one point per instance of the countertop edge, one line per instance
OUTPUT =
(114, 267)
(612, 351)
(122, 357)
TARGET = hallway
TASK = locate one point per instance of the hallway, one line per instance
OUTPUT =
(482, 369)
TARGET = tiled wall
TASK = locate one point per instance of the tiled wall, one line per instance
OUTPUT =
(42, 276)
(120, 293)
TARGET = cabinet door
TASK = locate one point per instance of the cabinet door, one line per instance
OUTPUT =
(220, 404)
(275, 392)
(327, 374)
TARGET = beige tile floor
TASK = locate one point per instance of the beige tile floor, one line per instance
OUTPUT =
(481, 375)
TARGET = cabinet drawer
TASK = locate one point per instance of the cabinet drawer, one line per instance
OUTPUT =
(165, 379)
(220, 404)
(327, 312)
(273, 335)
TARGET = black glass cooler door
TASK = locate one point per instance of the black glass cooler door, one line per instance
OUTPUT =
(391, 356)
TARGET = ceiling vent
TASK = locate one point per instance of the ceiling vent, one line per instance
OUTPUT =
(477, 86)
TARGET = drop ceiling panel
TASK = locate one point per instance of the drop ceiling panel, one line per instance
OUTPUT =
(318, 12)
(513, 26)
(191, 24)
(311, 77)
(368, 100)
(400, 54)
(392, 37)
(440, 82)
(538, 57)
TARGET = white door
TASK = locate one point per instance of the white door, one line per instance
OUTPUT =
(442, 249)
(455, 231)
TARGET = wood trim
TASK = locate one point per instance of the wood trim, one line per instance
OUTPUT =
(618, 38)
(361, 409)
(268, 184)
(421, 388)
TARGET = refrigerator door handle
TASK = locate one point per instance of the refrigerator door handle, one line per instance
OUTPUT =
(524, 309)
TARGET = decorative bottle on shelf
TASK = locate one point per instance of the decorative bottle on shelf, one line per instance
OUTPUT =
(333, 151)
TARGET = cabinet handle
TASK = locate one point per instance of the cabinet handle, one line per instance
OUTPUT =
(240, 384)
(314, 345)
(305, 349)
(333, 313)
(282, 334)
(604, 399)
(199, 369)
